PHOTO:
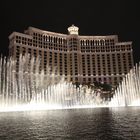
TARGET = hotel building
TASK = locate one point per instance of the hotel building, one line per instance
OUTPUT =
(83, 59)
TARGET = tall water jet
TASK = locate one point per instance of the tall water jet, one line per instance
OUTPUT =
(30, 88)
(128, 91)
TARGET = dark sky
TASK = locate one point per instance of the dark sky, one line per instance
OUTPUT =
(93, 17)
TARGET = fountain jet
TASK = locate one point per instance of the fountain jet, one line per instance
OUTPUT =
(26, 87)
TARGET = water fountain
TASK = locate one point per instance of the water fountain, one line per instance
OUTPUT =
(128, 91)
(30, 89)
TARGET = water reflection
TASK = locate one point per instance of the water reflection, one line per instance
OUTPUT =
(97, 123)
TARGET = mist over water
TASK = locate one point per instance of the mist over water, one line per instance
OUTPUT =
(32, 89)
(128, 91)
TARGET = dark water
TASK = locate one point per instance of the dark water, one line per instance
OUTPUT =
(78, 124)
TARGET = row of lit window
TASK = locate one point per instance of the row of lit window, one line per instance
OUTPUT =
(49, 38)
(104, 50)
(98, 42)
(108, 56)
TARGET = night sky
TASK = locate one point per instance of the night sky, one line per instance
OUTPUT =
(93, 17)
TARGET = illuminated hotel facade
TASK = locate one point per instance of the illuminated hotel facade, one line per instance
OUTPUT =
(83, 59)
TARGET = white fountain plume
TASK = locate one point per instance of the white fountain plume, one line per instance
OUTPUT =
(128, 91)
(23, 86)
